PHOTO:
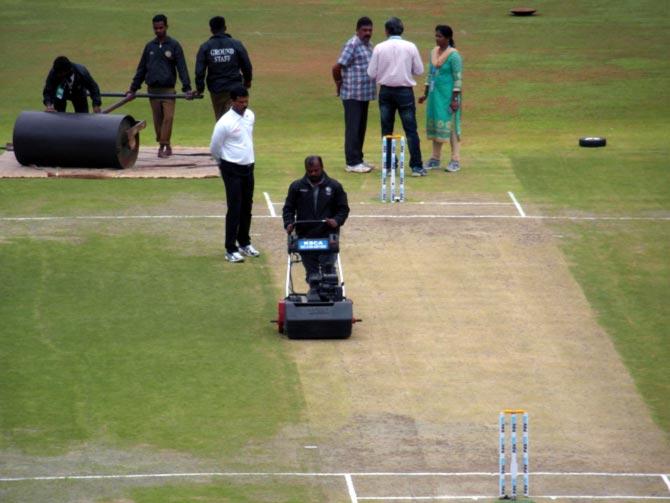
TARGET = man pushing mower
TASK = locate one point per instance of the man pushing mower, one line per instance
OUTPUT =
(315, 209)
(320, 202)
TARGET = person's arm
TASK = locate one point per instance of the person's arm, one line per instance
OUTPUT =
(344, 60)
(337, 77)
(457, 73)
(49, 92)
(429, 79)
(200, 69)
(218, 136)
(245, 66)
(182, 69)
(341, 207)
(92, 86)
(289, 209)
(373, 66)
(417, 64)
(140, 73)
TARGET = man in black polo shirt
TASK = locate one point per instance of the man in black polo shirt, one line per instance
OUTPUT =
(226, 63)
(161, 59)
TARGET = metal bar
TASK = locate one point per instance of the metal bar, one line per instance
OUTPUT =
(118, 104)
(154, 95)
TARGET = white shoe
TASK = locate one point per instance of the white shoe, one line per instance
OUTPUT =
(358, 168)
(249, 251)
(234, 257)
(368, 165)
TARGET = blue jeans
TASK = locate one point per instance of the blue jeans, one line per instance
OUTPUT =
(402, 100)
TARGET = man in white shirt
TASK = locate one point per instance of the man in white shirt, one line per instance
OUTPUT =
(394, 64)
(233, 148)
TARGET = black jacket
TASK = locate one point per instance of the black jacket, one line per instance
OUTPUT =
(226, 63)
(82, 82)
(331, 203)
(159, 65)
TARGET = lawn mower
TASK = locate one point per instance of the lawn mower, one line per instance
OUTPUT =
(324, 312)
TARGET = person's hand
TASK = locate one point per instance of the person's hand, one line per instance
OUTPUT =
(96, 110)
(454, 104)
(188, 95)
(247, 84)
(331, 222)
(422, 99)
(50, 108)
(289, 228)
(130, 93)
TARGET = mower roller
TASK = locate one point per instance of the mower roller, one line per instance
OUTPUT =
(324, 312)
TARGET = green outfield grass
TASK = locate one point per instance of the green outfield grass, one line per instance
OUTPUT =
(140, 335)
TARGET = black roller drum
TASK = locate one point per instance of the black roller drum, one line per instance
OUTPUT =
(76, 140)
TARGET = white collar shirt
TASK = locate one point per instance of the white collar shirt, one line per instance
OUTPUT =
(395, 62)
(232, 138)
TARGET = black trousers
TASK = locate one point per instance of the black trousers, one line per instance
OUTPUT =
(79, 102)
(318, 262)
(355, 124)
(239, 183)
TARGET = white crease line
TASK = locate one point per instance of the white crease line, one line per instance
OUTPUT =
(171, 475)
(589, 497)
(351, 489)
(315, 474)
(270, 205)
(516, 203)
(666, 480)
(533, 497)
(448, 203)
(423, 498)
(400, 217)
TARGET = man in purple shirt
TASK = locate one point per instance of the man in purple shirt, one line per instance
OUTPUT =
(356, 89)
(394, 64)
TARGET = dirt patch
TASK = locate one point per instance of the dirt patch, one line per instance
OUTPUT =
(463, 318)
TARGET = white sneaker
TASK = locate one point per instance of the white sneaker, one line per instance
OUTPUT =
(358, 168)
(368, 165)
(249, 251)
(234, 257)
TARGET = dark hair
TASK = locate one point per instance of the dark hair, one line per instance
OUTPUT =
(217, 24)
(394, 26)
(62, 65)
(237, 92)
(158, 18)
(310, 159)
(364, 21)
(447, 33)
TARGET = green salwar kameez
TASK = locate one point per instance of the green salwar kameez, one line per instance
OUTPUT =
(440, 120)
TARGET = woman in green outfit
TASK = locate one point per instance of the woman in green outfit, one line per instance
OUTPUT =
(443, 92)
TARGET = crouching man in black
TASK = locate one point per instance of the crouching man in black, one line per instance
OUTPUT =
(316, 196)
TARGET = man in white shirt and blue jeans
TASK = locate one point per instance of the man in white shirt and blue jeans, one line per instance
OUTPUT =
(233, 148)
(394, 64)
